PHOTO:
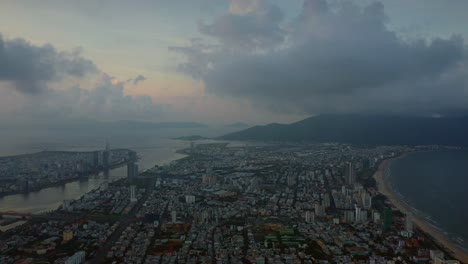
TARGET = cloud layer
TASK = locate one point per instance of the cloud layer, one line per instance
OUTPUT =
(39, 83)
(331, 58)
(31, 68)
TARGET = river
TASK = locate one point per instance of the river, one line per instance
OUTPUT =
(50, 198)
(153, 149)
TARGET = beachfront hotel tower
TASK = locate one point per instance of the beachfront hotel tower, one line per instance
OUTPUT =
(387, 218)
(409, 224)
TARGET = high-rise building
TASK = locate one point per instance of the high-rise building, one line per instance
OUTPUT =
(104, 186)
(132, 170)
(434, 254)
(133, 193)
(319, 210)
(350, 177)
(67, 235)
(326, 201)
(77, 258)
(366, 200)
(357, 214)
(363, 216)
(189, 199)
(291, 179)
(209, 177)
(376, 217)
(97, 159)
(344, 190)
(67, 205)
(366, 164)
(132, 156)
(106, 157)
(309, 217)
(349, 216)
(174, 216)
(387, 218)
(409, 224)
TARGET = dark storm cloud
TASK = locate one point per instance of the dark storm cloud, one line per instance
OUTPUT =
(339, 58)
(30, 68)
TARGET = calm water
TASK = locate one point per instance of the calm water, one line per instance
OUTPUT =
(435, 184)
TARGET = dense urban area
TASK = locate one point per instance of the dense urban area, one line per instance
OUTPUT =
(279, 203)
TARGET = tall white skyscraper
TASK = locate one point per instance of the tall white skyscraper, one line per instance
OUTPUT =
(133, 193)
(357, 216)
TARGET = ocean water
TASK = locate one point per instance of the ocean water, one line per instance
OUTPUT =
(435, 184)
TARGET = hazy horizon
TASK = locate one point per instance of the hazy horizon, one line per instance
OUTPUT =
(222, 62)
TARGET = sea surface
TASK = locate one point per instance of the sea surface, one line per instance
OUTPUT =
(153, 147)
(435, 184)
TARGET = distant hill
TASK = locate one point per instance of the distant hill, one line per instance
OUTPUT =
(143, 125)
(192, 138)
(364, 129)
(238, 125)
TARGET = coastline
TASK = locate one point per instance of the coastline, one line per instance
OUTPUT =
(419, 221)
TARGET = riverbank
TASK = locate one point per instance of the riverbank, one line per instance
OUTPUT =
(64, 181)
(385, 189)
(51, 198)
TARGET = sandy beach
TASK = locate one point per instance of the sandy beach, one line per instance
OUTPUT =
(419, 221)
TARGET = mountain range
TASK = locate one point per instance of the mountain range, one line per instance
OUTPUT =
(364, 129)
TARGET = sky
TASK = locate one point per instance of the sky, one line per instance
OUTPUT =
(227, 61)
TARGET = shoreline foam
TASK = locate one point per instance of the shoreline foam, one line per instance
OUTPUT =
(419, 221)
